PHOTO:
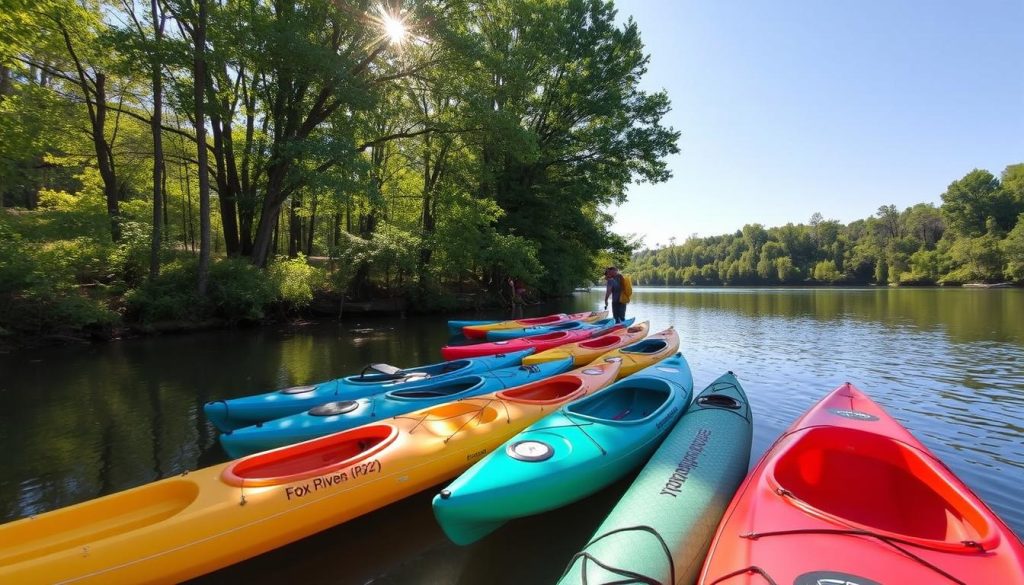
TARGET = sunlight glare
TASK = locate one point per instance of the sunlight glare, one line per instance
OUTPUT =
(394, 29)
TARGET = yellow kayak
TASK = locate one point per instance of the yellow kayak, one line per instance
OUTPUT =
(178, 528)
(644, 353)
(480, 331)
(586, 351)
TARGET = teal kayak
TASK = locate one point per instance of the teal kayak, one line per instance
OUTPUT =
(567, 455)
(239, 412)
(341, 415)
(660, 530)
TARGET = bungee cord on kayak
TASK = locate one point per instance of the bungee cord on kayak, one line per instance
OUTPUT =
(854, 532)
(635, 576)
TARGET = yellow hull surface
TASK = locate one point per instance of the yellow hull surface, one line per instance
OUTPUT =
(586, 351)
(639, 355)
(181, 527)
(477, 331)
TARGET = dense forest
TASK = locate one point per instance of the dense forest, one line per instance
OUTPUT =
(976, 235)
(183, 160)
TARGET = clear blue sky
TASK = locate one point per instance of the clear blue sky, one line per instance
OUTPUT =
(788, 107)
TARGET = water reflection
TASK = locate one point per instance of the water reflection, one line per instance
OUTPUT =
(79, 422)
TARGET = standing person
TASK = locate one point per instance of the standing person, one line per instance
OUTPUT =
(619, 288)
(518, 290)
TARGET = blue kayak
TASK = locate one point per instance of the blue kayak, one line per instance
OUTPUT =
(506, 334)
(568, 455)
(233, 413)
(341, 415)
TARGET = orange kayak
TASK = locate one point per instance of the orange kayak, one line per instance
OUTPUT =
(584, 352)
(643, 353)
(181, 527)
(849, 496)
(480, 331)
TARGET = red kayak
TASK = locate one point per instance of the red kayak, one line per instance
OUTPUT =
(848, 496)
(538, 342)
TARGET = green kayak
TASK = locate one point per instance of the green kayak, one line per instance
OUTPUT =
(660, 530)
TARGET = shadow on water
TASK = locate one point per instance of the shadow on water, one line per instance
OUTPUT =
(80, 422)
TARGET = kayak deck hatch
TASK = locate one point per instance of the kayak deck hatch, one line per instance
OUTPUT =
(878, 484)
(315, 457)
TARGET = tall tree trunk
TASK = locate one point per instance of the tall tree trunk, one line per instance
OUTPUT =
(294, 227)
(105, 158)
(199, 77)
(426, 217)
(163, 193)
(312, 225)
(270, 214)
(6, 87)
(227, 178)
(337, 229)
(158, 146)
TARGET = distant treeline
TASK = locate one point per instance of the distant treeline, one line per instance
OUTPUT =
(976, 235)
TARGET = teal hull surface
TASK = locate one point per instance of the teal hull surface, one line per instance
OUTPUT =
(333, 417)
(234, 413)
(661, 529)
(506, 334)
(569, 454)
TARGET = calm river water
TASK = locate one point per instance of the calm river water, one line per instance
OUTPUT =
(83, 421)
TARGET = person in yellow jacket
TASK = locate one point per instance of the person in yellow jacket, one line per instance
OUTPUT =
(619, 289)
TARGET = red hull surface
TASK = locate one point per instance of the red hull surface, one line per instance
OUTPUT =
(849, 496)
(539, 342)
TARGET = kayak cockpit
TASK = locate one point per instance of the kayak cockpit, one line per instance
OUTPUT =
(874, 483)
(648, 346)
(548, 336)
(543, 392)
(639, 400)
(450, 389)
(311, 458)
(600, 342)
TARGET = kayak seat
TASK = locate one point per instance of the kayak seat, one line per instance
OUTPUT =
(879, 483)
(385, 369)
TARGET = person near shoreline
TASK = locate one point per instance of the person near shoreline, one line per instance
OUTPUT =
(619, 289)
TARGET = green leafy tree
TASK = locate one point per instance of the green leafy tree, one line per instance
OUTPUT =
(970, 201)
(1013, 251)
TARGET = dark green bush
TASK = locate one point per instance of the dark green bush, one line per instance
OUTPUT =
(171, 297)
(238, 290)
